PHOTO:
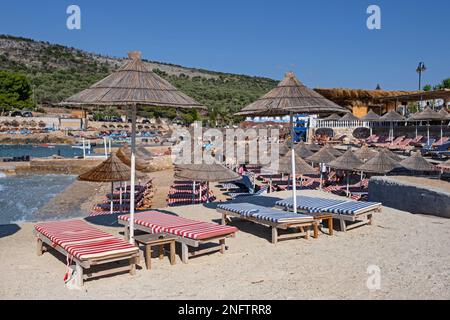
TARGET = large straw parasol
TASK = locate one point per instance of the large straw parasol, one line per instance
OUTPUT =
(349, 117)
(390, 154)
(131, 86)
(301, 167)
(347, 162)
(333, 117)
(332, 150)
(365, 153)
(111, 170)
(314, 147)
(428, 115)
(391, 117)
(381, 163)
(323, 156)
(417, 163)
(289, 97)
(371, 117)
(206, 172)
(302, 151)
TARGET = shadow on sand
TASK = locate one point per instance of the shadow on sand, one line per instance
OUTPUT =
(8, 230)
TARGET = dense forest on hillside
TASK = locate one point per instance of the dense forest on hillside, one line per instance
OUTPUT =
(55, 72)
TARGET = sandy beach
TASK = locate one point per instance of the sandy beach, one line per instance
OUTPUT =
(410, 250)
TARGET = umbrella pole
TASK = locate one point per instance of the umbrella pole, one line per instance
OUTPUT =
(200, 192)
(133, 171)
(416, 130)
(120, 196)
(112, 197)
(294, 187)
(428, 132)
(441, 133)
(270, 185)
(348, 183)
(193, 192)
(320, 168)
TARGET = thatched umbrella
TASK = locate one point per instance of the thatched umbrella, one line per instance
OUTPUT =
(289, 97)
(381, 163)
(322, 157)
(391, 117)
(349, 117)
(417, 163)
(347, 162)
(302, 151)
(428, 115)
(314, 147)
(206, 172)
(301, 167)
(333, 117)
(130, 86)
(444, 166)
(390, 154)
(112, 170)
(371, 117)
(332, 150)
(365, 153)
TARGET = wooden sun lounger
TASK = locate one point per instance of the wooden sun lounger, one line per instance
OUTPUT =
(190, 233)
(357, 212)
(87, 246)
(275, 219)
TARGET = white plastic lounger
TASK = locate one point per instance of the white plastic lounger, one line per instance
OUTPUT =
(360, 213)
(275, 219)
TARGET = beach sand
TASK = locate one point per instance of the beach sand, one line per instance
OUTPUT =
(412, 252)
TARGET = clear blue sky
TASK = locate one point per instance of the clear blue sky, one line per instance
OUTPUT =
(325, 42)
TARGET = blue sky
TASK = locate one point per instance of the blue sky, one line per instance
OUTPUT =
(325, 42)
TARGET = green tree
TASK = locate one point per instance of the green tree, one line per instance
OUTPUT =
(15, 91)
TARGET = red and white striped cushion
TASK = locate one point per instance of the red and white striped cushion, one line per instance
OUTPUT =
(81, 240)
(161, 222)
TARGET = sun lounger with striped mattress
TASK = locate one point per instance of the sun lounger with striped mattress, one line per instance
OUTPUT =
(190, 233)
(275, 219)
(87, 246)
(358, 212)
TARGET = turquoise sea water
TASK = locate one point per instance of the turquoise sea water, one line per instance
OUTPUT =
(37, 151)
(23, 195)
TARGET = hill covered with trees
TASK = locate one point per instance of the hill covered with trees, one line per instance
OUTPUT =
(55, 72)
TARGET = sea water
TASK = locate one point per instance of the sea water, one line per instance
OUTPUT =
(22, 196)
(36, 151)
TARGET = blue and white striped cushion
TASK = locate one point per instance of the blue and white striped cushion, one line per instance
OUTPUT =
(353, 207)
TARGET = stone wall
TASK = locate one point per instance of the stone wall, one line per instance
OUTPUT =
(415, 195)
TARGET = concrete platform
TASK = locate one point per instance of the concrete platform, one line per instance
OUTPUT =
(412, 194)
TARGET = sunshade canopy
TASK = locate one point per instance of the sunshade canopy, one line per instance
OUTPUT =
(321, 156)
(207, 172)
(133, 84)
(427, 115)
(417, 163)
(365, 153)
(302, 151)
(348, 161)
(381, 163)
(392, 116)
(111, 170)
(333, 116)
(291, 96)
(349, 117)
(371, 116)
(301, 167)
(332, 150)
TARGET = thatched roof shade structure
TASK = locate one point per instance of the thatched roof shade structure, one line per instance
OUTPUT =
(314, 147)
(291, 96)
(417, 163)
(111, 170)
(321, 156)
(390, 154)
(371, 116)
(365, 153)
(349, 117)
(348, 161)
(207, 172)
(332, 117)
(419, 96)
(427, 115)
(332, 150)
(301, 167)
(302, 151)
(133, 84)
(381, 163)
(445, 114)
(392, 116)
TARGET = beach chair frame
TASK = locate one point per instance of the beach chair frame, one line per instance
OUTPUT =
(82, 266)
(186, 242)
(304, 227)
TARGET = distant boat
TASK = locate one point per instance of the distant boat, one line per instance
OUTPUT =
(46, 145)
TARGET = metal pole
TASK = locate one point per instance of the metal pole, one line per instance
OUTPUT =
(84, 150)
(294, 187)
(193, 192)
(133, 171)
(120, 196)
(112, 197)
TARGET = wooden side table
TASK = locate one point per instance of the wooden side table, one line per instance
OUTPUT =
(156, 239)
(328, 218)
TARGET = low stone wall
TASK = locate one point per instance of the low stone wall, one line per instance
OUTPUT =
(415, 195)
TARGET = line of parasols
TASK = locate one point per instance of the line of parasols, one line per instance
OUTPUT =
(427, 115)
